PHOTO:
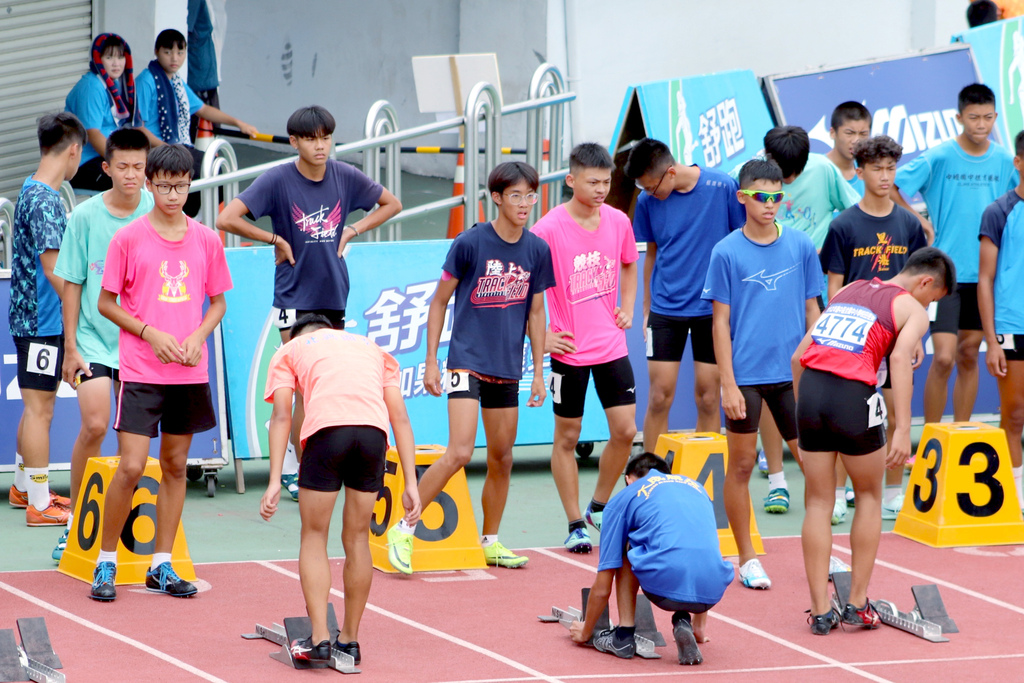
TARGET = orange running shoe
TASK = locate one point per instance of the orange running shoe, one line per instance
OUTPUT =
(55, 515)
(60, 501)
(17, 499)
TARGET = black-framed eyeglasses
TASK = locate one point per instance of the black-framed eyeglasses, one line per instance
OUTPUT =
(660, 181)
(180, 188)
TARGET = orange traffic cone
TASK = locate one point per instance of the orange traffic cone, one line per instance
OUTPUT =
(204, 134)
(455, 218)
(544, 166)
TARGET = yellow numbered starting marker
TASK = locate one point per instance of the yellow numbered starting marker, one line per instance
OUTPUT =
(961, 491)
(703, 457)
(138, 537)
(446, 537)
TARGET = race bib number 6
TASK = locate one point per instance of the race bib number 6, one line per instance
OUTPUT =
(457, 381)
(843, 326)
(284, 318)
(42, 359)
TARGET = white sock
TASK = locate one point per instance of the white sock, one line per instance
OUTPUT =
(777, 481)
(38, 487)
(841, 494)
(20, 478)
(891, 492)
(291, 460)
(71, 519)
(489, 540)
(405, 528)
(1018, 476)
(159, 559)
(107, 556)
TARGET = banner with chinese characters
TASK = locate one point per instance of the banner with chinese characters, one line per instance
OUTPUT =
(392, 284)
(999, 53)
(912, 99)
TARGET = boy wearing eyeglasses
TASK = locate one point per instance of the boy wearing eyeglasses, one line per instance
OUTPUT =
(163, 267)
(498, 273)
(681, 213)
(763, 283)
(593, 251)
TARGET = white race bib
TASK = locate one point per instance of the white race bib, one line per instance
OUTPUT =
(844, 326)
(42, 359)
(555, 386)
(933, 310)
(456, 381)
(284, 318)
(876, 410)
(1006, 342)
(650, 343)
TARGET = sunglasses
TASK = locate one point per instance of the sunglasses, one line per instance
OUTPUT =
(758, 196)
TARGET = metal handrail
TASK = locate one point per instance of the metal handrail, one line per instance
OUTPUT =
(6, 231)
(218, 159)
(67, 196)
(483, 103)
(381, 120)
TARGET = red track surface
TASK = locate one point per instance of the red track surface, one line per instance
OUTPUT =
(484, 627)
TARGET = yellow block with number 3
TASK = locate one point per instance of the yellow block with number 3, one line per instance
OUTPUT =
(961, 491)
(138, 537)
(704, 457)
(446, 537)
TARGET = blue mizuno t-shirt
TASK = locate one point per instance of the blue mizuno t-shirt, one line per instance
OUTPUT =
(1003, 223)
(957, 187)
(766, 287)
(685, 227)
(667, 522)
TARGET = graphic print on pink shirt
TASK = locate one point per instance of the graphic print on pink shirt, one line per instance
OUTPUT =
(594, 275)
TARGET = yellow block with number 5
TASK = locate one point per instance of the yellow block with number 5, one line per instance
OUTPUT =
(446, 537)
(138, 537)
(704, 457)
(961, 491)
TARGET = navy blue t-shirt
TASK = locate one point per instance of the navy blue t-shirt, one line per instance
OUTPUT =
(310, 215)
(860, 246)
(667, 522)
(497, 281)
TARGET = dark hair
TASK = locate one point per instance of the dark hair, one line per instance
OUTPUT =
(639, 465)
(933, 261)
(759, 169)
(509, 173)
(114, 42)
(983, 12)
(648, 156)
(975, 93)
(125, 139)
(170, 38)
(589, 155)
(170, 160)
(849, 111)
(311, 122)
(57, 132)
(788, 146)
(1018, 144)
(309, 322)
(877, 148)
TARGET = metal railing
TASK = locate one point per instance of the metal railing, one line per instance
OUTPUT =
(6, 231)
(218, 159)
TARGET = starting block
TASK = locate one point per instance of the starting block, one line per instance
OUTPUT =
(647, 636)
(35, 659)
(299, 627)
(928, 619)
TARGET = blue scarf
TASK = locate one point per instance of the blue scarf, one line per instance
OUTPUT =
(168, 111)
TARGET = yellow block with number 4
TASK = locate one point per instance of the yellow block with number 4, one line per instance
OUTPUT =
(704, 457)
(446, 536)
(138, 537)
(961, 491)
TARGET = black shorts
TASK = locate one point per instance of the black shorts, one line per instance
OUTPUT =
(351, 456)
(284, 318)
(176, 408)
(98, 370)
(781, 403)
(568, 385)
(39, 362)
(461, 384)
(666, 338)
(1012, 345)
(670, 605)
(838, 414)
(90, 176)
(958, 311)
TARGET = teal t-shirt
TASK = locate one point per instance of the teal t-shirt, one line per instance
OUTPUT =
(957, 187)
(857, 183)
(82, 254)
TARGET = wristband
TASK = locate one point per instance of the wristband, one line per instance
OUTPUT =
(142, 331)
(353, 229)
(273, 240)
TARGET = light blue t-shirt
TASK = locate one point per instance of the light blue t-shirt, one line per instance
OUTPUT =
(90, 101)
(667, 522)
(766, 287)
(145, 89)
(857, 183)
(957, 187)
(1003, 223)
(685, 227)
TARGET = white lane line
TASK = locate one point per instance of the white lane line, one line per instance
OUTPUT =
(112, 634)
(940, 582)
(758, 632)
(536, 675)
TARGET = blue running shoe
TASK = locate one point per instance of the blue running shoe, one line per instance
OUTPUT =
(578, 541)
(290, 482)
(777, 501)
(103, 582)
(762, 463)
(163, 579)
(594, 518)
(58, 552)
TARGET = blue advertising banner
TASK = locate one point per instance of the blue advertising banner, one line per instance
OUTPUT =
(715, 120)
(912, 99)
(999, 51)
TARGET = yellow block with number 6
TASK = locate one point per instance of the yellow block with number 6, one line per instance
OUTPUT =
(961, 491)
(138, 537)
(704, 457)
(446, 537)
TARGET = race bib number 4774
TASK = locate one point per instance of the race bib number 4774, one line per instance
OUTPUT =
(844, 326)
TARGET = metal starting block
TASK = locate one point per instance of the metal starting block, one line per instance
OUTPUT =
(644, 618)
(35, 659)
(299, 627)
(928, 619)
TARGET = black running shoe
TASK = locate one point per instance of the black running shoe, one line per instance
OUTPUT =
(163, 579)
(605, 642)
(351, 649)
(303, 650)
(103, 582)
(686, 643)
(865, 616)
(822, 624)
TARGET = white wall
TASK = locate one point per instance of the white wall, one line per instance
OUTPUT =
(139, 22)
